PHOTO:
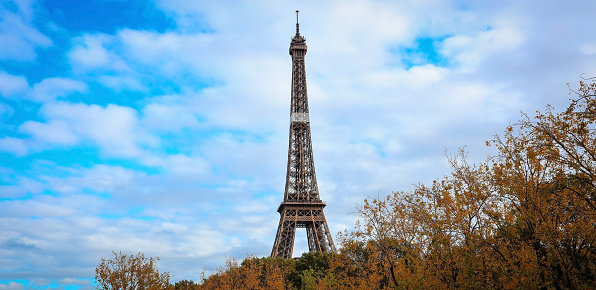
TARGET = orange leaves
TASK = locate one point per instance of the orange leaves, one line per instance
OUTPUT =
(252, 273)
(523, 219)
(127, 271)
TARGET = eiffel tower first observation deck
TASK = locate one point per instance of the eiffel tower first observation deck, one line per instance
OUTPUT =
(302, 206)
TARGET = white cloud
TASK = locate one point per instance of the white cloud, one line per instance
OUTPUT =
(21, 188)
(14, 146)
(121, 83)
(97, 53)
(588, 49)
(53, 132)
(468, 51)
(170, 53)
(10, 84)
(45, 206)
(75, 281)
(12, 286)
(17, 35)
(113, 128)
(48, 89)
(168, 117)
(51, 88)
(99, 179)
(179, 164)
(89, 52)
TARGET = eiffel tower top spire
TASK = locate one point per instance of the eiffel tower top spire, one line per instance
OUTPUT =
(298, 44)
(297, 25)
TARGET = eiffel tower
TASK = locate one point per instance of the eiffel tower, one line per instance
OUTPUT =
(302, 206)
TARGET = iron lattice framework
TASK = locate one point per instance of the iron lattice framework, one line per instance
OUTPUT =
(302, 206)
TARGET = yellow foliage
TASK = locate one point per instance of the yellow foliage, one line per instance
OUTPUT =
(127, 271)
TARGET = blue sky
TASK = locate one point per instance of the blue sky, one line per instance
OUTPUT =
(161, 126)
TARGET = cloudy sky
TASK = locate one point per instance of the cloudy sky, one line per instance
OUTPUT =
(162, 126)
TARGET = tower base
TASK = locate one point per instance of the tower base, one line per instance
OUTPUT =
(302, 215)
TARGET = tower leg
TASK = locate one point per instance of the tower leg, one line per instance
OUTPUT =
(319, 238)
(312, 235)
(286, 231)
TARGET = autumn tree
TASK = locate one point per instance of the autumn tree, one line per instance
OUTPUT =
(185, 285)
(251, 273)
(523, 219)
(127, 271)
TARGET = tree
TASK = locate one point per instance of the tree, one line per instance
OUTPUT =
(185, 285)
(130, 272)
(523, 219)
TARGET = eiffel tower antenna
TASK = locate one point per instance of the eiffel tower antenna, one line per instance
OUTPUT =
(297, 25)
(302, 206)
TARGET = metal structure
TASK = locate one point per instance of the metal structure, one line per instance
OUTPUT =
(302, 206)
